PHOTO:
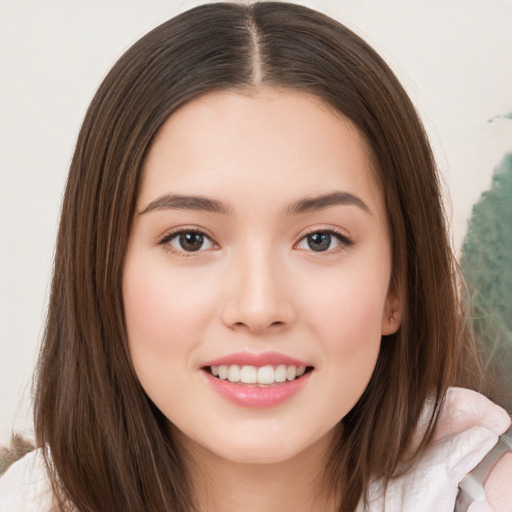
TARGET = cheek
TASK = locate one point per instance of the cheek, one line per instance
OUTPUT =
(352, 334)
(348, 321)
(349, 305)
(165, 320)
(164, 313)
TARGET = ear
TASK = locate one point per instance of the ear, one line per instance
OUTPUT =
(392, 314)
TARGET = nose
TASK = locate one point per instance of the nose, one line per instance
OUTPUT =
(260, 294)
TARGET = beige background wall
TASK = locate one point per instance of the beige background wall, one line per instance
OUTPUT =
(454, 57)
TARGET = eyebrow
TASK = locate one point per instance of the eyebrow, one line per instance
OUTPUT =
(310, 204)
(180, 202)
(201, 203)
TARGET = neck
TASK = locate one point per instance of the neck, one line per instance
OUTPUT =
(296, 484)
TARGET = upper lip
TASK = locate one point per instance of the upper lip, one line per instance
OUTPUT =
(257, 359)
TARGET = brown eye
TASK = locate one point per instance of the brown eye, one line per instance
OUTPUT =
(188, 241)
(191, 241)
(319, 241)
(323, 241)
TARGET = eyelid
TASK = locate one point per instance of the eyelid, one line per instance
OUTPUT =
(174, 232)
(344, 240)
(342, 237)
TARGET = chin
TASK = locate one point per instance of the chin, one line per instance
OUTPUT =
(257, 448)
(260, 454)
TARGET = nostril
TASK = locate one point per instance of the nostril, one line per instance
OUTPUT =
(255, 326)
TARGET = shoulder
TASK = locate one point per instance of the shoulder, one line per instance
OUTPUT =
(468, 428)
(25, 486)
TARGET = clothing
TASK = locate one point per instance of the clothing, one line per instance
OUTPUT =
(25, 487)
(468, 428)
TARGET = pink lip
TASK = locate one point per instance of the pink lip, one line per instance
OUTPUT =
(255, 359)
(254, 396)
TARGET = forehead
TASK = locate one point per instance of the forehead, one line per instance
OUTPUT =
(283, 143)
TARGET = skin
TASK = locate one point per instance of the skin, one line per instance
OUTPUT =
(256, 285)
(497, 486)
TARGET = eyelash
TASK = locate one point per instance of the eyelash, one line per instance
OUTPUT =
(166, 239)
(344, 240)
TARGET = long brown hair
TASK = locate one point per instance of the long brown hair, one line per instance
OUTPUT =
(108, 447)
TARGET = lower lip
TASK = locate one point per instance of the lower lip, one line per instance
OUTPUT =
(253, 396)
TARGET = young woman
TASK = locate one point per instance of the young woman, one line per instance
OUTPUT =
(254, 303)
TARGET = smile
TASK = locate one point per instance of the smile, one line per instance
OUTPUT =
(270, 380)
(260, 376)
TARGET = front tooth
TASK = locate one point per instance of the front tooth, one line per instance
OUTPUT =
(291, 372)
(248, 374)
(223, 371)
(266, 375)
(234, 373)
(280, 373)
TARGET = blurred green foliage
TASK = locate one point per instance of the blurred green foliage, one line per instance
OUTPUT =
(486, 264)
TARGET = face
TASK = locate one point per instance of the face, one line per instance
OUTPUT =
(257, 278)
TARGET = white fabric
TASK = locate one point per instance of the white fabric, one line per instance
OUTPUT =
(468, 428)
(25, 486)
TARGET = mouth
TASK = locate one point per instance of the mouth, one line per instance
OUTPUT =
(254, 376)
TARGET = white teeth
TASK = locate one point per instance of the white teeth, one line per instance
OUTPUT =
(254, 375)
(248, 374)
(234, 373)
(280, 373)
(291, 372)
(266, 375)
(223, 372)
